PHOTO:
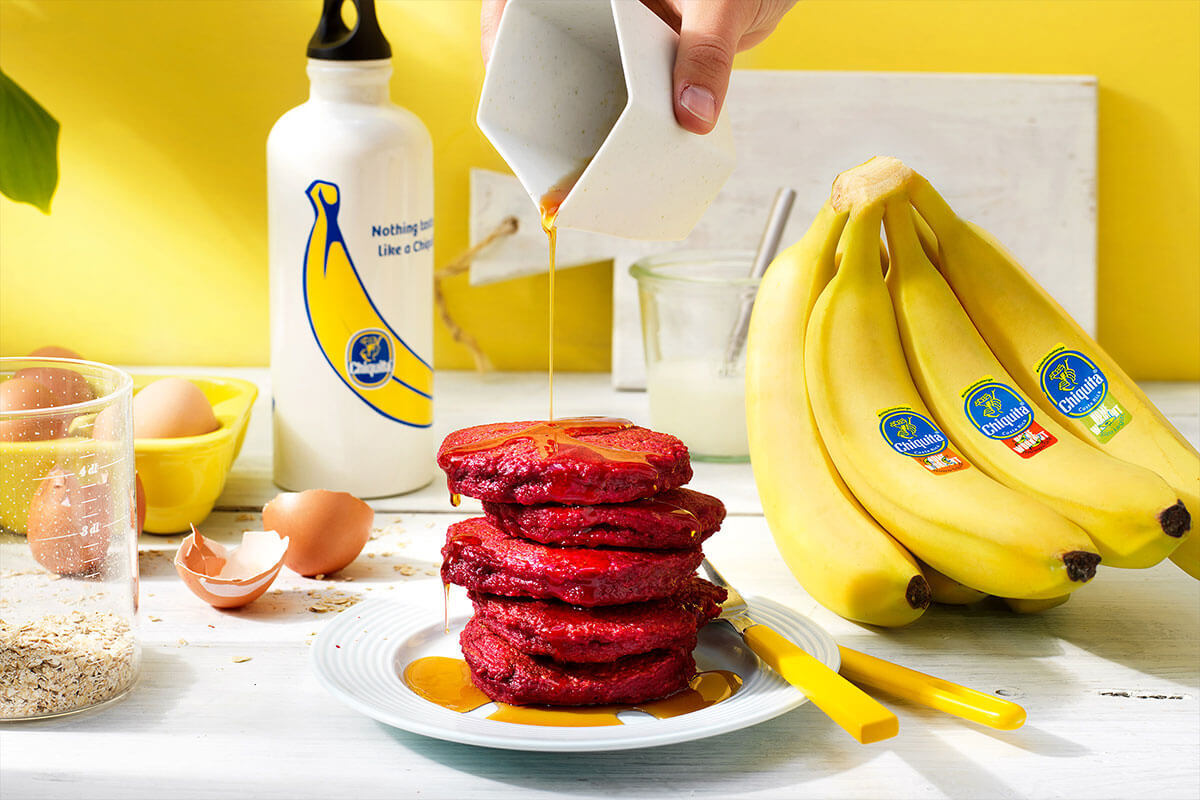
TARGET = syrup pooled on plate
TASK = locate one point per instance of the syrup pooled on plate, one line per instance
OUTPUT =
(444, 681)
(447, 682)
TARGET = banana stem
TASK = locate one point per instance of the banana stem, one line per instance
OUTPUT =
(903, 244)
(862, 238)
(869, 183)
(931, 205)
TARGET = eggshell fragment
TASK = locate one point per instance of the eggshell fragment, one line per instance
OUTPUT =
(230, 578)
(170, 408)
(26, 394)
(327, 529)
(69, 524)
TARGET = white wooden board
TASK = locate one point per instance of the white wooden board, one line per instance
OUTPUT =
(1110, 681)
(1015, 153)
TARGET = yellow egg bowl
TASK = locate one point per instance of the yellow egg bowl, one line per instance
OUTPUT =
(183, 477)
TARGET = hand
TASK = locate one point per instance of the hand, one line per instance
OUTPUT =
(710, 33)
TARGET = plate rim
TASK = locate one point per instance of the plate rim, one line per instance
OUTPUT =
(774, 613)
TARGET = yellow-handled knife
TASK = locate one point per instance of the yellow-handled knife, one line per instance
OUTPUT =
(855, 711)
(986, 709)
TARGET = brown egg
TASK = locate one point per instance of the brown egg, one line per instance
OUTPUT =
(105, 425)
(327, 530)
(69, 524)
(54, 351)
(67, 385)
(172, 407)
(20, 394)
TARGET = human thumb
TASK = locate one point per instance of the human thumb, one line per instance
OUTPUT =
(708, 35)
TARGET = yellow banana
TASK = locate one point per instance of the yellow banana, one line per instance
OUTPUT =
(892, 456)
(948, 591)
(371, 359)
(1057, 364)
(1035, 606)
(837, 552)
(1122, 506)
(1187, 555)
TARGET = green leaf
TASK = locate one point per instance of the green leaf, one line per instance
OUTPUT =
(28, 147)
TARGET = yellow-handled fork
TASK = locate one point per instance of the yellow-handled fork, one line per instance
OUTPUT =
(847, 705)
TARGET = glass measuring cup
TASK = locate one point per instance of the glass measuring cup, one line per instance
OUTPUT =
(68, 537)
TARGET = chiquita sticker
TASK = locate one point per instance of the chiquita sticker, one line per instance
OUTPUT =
(1079, 388)
(916, 436)
(369, 358)
(999, 412)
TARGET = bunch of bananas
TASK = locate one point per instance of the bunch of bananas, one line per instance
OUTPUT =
(926, 423)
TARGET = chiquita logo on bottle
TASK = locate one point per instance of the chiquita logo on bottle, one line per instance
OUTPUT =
(357, 342)
(1079, 388)
(915, 435)
(369, 358)
(999, 412)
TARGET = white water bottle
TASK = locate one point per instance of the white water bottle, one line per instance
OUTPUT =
(350, 199)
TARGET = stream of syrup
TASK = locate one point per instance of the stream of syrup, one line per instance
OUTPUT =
(447, 682)
(549, 211)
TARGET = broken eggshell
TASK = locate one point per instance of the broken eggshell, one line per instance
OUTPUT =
(230, 578)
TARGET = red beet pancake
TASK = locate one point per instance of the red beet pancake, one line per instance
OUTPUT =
(678, 519)
(483, 558)
(509, 676)
(578, 461)
(572, 633)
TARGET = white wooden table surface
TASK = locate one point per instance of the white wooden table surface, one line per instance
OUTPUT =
(1111, 681)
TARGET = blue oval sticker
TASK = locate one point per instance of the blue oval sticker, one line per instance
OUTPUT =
(369, 358)
(912, 434)
(997, 411)
(1073, 383)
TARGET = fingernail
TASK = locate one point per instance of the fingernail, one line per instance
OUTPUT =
(699, 102)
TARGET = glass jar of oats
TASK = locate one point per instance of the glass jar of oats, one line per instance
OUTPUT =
(68, 537)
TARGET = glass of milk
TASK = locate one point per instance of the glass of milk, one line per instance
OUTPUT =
(691, 302)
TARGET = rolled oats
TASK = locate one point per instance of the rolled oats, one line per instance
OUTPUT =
(63, 662)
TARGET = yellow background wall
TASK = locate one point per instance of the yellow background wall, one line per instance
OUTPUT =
(156, 248)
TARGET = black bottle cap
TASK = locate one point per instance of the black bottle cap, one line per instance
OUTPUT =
(333, 41)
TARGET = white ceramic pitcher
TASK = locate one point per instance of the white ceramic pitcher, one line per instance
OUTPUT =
(587, 85)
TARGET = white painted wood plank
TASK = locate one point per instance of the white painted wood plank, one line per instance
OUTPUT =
(199, 725)
(1111, 681)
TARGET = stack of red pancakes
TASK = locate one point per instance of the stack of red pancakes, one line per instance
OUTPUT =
(582, 574)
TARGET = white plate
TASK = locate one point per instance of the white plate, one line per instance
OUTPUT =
(360, 656)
